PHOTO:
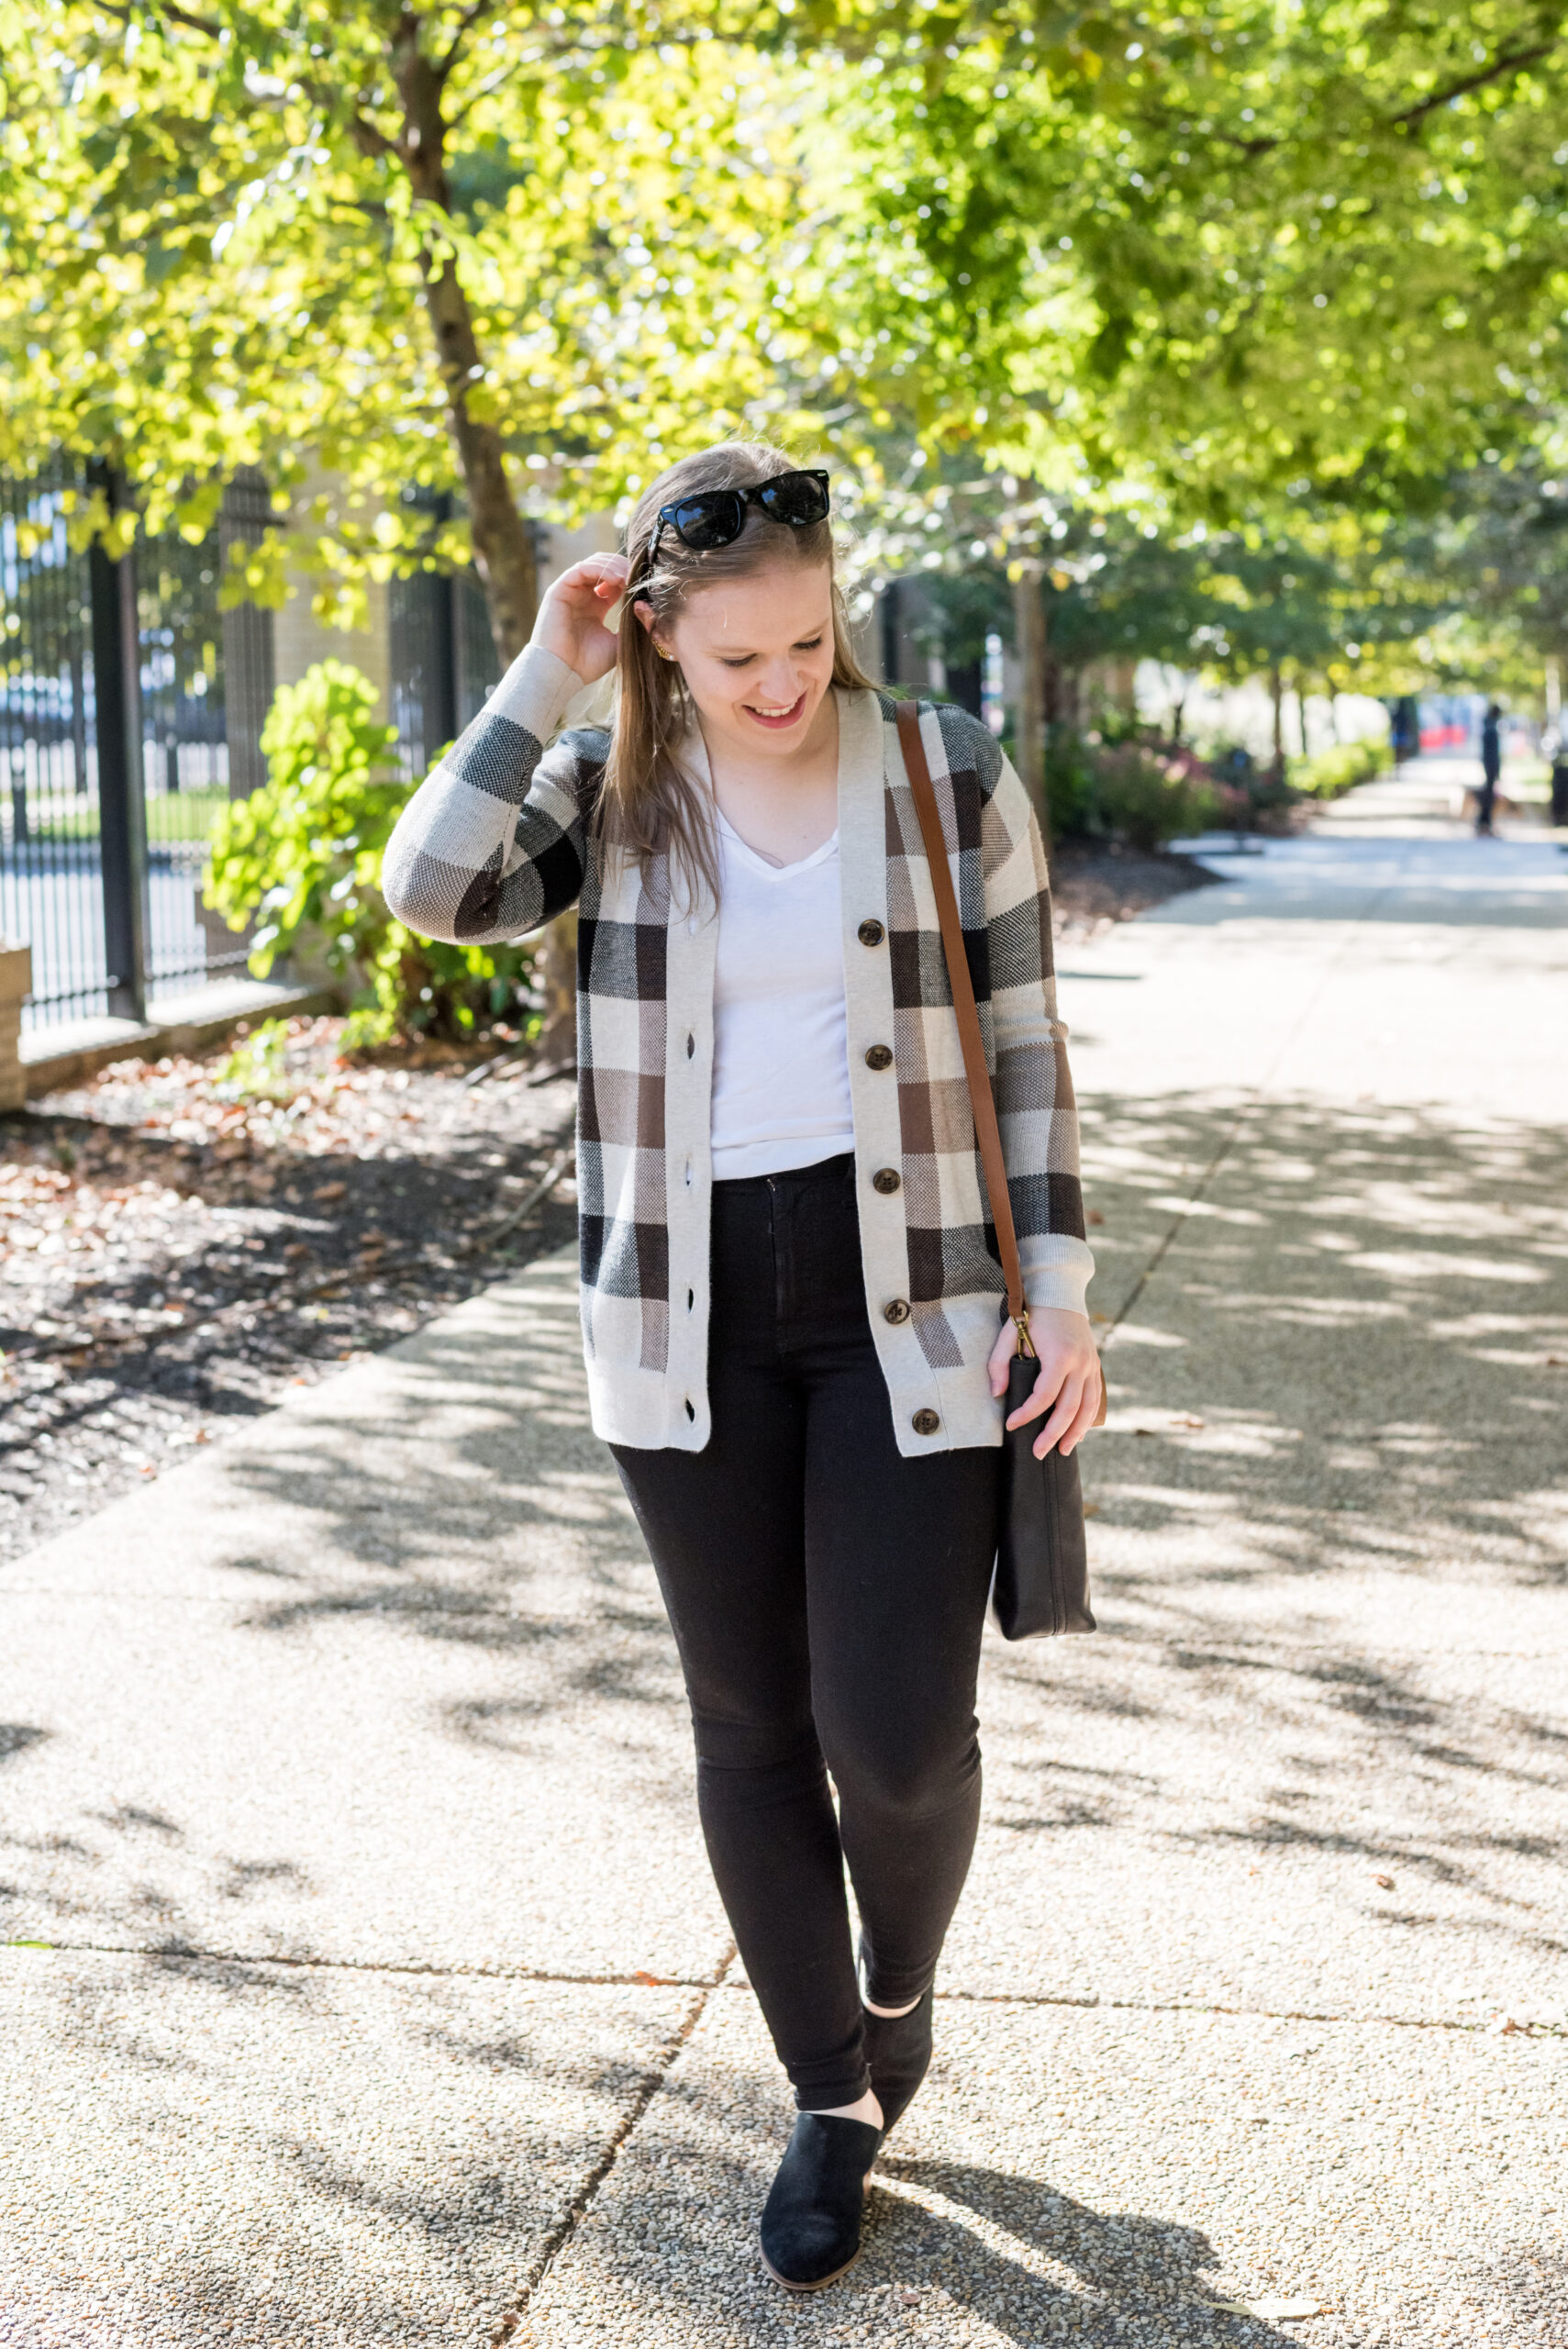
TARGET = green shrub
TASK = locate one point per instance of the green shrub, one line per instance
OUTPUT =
(1126, 791)
(304, 852)
(1326, 773)
(1069, 784)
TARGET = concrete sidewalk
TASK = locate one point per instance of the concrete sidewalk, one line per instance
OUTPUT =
(381, 1995)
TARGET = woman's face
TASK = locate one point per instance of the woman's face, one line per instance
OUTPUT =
(757, 655)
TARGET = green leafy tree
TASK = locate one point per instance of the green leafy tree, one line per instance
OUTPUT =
(488, 249)
(1239, 252)
(1482, 584)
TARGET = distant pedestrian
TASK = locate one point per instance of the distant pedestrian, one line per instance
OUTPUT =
(791, 1303)
(1560, 779)
(1491, 766)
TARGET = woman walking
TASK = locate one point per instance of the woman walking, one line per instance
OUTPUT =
(793, 1311)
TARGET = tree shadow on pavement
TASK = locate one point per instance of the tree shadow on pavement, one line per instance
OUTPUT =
(952, 2250)
(1344, 1356)
(990, 2232)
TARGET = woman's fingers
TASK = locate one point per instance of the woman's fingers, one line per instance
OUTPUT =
(572, 618)
(597, 580)
(1002, 1353)
(1060, 1418)
(1083, 1419)
(1066, 1393)
(604, 575)
(1068, 1401)
(1053, 1379)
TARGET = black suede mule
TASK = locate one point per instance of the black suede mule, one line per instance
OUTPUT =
(811, 2220)
(898, 2052)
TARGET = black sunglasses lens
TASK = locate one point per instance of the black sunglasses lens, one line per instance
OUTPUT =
(715, 519)
(798, 499)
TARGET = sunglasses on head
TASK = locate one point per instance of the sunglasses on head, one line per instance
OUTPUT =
(716, 517)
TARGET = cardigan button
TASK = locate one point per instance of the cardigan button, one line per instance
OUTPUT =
(880, 1056)
(897, 1310)
(871, 933)
(925, 1422)
(886, 1180)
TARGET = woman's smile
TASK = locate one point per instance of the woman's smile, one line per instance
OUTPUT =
(778, 719)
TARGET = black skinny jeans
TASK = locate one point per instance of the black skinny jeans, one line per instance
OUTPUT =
(826, 1596)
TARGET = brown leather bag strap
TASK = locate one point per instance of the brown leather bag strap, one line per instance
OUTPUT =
(981, 1101)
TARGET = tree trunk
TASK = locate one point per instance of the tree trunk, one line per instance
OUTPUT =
(1030, 637)
(1301, 716)
(503, 543)
(1276, 688)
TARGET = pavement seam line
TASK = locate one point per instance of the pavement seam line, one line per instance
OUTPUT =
(572, 2218)
(1177, 1220)
(1250, 2014)
(187, 1953)
(707, 1985)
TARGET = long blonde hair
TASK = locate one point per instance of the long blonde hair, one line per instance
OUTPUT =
(651, 806)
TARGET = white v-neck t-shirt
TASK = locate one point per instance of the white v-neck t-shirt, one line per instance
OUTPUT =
(781, 1070)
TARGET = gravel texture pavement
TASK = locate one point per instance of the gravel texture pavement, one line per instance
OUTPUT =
(203, 2154)
(1105, 2179)
(406, 1623)
(366, 1984)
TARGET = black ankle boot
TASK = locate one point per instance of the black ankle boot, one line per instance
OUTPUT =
(811, 2221)
(898, 2052)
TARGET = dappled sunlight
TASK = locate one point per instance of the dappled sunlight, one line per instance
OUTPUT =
(1318, 1388)
(322, 2153)
(1328, 1531)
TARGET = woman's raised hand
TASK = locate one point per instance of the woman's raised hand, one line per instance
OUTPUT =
(571, 622)
(1067, 1391)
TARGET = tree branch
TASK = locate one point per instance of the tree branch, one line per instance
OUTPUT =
(370, 142)
(486, 90)
(206, 25)
(1513, 63)
(192, 23)
(442, 67)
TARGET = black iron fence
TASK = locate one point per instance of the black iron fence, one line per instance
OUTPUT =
(442, 654)
(49, 815)
(131, 709)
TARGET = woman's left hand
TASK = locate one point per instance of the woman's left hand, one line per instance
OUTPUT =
(1070, 1381)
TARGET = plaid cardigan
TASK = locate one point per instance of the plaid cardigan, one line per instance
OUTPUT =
(497, 840)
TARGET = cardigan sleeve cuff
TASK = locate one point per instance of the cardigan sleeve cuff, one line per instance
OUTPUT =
(1057, 1272)
(535, 691)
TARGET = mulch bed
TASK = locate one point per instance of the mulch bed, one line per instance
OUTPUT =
(174, 1258)
(175, 1254)
(1093, 887)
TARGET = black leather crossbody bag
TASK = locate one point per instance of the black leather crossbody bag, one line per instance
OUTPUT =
(1041, 1584)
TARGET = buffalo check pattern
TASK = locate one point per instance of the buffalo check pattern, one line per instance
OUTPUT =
(497, 840)
(1003, 891)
